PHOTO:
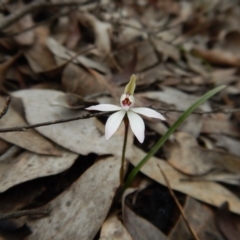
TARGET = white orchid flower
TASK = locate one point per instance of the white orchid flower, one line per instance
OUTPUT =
(127, 103)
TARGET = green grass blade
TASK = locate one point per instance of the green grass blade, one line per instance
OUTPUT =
(164, 138)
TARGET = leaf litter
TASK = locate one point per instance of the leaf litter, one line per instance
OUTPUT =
(57, 60)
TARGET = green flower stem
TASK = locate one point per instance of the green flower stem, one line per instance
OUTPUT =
(126, 124)
(165, 137)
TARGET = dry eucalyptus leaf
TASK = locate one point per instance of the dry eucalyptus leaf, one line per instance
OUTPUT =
(27, 166)
(80, 136)
(79, 211)
(62, 52)
(5, 66)
(226, 223)
(229, 143)
(139, 228)
(167, 50)
(220, 126)
(30, 140)
(40, 58)
(145, 52)
(25, 38)
(222, 76)
(113, 229)
(189, 158)
(209, 192)
(201, 220)
(217, 57)
(192, 125)
(76, 79)
(195, 64)
(216, 176)
(175, 97)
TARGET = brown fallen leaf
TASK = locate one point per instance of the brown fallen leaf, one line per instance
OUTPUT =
(74, 34)
(75, 214)
(226, 224)
(146, 55)
(201, 218)
(209, 192)
(30, 140)
(5, 66)
(220, 126)
(186, 156)
(25, 38)
(102, 32)
(76, 79)
(63, 53)
(217, 57)
(39, 57)
(167, 50)
(4, 146)
(113, 229)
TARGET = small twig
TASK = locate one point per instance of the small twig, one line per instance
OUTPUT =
(5, 108)
(24, 128)
(178, 205)
(7, 21)
(31, 212)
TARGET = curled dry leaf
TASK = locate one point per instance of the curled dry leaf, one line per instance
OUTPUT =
(113, 229)
(76, 79)
(209, 192)
(40, 58)
(80, 136)
(102, 31)
(27, 166)
(145, 52)
(75, 214)
(30, 140)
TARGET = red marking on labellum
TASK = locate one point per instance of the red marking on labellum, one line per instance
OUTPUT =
(126, 102)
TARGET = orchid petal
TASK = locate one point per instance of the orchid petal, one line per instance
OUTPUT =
(137, 125)
(148, 112)
(113, 123)
(104, 107)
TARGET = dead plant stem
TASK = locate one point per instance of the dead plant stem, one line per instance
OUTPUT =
(126, 124)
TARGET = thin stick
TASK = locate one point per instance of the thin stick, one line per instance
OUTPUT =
(178, 205)
(5, 108)
(126, 124)
(24, 128)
